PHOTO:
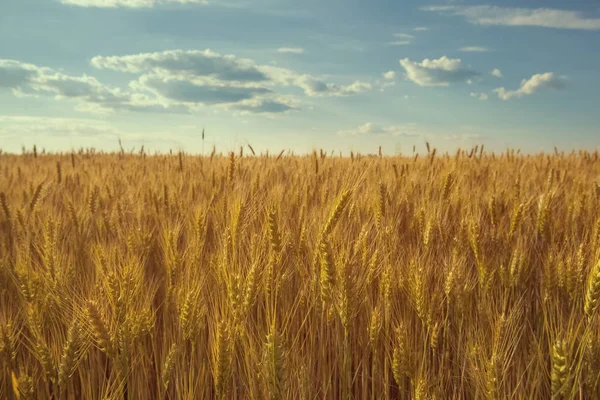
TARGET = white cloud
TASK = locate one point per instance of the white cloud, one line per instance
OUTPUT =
(157, 92)
(174, 81)
(507, 16)
(312, 86)
(292, 50)
(186, 63)
(128, 3)
(315, 87)
(497, 73)
(354, 88)
(193, 94)
(437, 72)
(438, 8)
(374, 129)
(182, 90)
(421, 29)
(403, 39)
(474, 49)
(31, 80)
(14, 74)
(390, 75)
(480, 96)
(211, 68)
(532, 85)
(388, 81)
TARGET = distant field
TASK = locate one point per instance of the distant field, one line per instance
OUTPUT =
(129, 276)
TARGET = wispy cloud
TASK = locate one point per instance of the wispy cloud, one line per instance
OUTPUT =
(480, 96)
(437, 72)
(536, 83)
(404, 36)
(474, 49)
(371, 128)
(421, 29)
(512, 16)
(402, 39)
(390, 75)
(128, 3)
(292, 50)
(389, 80)
(497, 73)
(438, 8)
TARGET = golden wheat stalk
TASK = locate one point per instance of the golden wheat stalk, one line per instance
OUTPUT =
(560, 368)
(592, 294)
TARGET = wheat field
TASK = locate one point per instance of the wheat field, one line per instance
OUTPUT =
(238, 276)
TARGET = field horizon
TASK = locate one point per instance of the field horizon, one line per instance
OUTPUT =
(423, 150)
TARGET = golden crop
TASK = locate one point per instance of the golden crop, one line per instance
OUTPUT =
(129, 276)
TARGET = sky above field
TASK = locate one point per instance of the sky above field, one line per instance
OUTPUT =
(340, 75)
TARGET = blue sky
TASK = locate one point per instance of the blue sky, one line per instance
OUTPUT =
(281, 74)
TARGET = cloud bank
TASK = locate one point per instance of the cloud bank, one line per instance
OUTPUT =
(206, 67)
(174, 81)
